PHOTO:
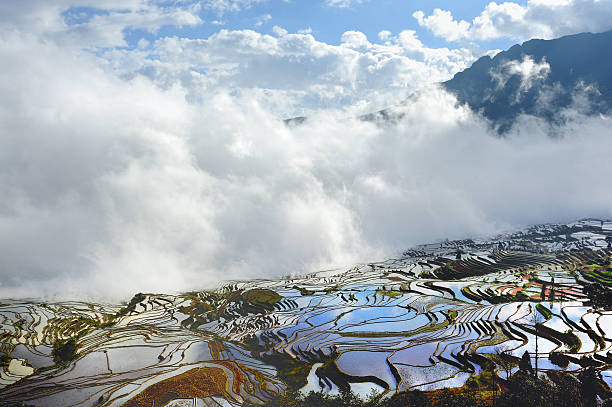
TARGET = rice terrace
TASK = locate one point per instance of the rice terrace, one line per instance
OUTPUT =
(441, 316)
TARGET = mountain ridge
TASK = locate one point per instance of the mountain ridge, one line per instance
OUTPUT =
(572, 65)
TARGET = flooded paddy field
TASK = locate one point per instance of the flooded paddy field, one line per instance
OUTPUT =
(426, 320)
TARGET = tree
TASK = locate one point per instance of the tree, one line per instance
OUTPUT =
(535, 315)
(592, 386)
(567, 390)
(504, 358)
(414, 398)
(446, 398)
(526, 390)
(65, 351)
(599, 295)
(525, 363)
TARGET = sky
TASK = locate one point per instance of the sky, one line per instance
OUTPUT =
(142, 146)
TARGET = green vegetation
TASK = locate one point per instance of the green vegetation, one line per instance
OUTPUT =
(211, 306)
(483, 382)
(544, 311)
(65, 350)
(332, 289)
(572, 341)
(261, 297)
(603, 276)
(131, 306)
(303, 291)
(447, 272)
(559, 359)
(319, 399)
(599, 294)
(470, 294)
(97, 324)
(390, 294)
(568, 337)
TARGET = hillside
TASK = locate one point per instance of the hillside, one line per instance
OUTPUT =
(539, 78)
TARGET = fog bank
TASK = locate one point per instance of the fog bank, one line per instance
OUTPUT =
(112, 186)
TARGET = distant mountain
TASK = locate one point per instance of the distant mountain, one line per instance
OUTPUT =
(539, 78)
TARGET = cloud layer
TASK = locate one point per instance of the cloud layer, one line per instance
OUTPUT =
(167, 167)
(113, 186)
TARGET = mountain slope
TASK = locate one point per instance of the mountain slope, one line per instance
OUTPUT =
(540, 77)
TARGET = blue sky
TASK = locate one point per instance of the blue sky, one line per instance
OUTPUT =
(371, 17)
(327, 23)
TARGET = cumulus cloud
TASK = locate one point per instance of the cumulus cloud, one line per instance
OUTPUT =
(384, 35)
(441, 22)
(294, 73)
(538, 18)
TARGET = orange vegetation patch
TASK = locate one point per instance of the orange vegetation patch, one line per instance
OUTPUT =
(571, 292)
(514, 290)
(199, 382)
(399, 279)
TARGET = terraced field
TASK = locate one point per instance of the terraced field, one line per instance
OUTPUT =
(430, 319)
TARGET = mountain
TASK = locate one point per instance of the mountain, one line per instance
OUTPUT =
(540, 78)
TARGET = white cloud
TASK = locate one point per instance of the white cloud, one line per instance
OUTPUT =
(262, 20)
(111, 187)
(384, 35)
(343, 3)
(295, 74)
(280, 31)
(101, 27)
(223, 6)
(355, 40)
(539, 18)
(530, 72)
(441, 22)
